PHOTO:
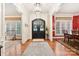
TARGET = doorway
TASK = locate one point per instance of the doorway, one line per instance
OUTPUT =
(38, 28)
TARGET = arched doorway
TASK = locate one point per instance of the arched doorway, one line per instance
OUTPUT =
(38, 28)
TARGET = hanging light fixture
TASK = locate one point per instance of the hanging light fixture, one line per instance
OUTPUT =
(37, 9)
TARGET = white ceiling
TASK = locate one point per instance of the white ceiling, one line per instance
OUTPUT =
(45, 7)
(10, 10)
(65, 8)
(69, 8)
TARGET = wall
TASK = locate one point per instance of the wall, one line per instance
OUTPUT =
(27, 24)
(75, 22)
(53, 26)
(11, 10)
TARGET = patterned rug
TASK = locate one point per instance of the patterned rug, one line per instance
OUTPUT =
(69, 45)
(38, 49)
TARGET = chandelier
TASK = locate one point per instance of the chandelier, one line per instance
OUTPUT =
(37, 9)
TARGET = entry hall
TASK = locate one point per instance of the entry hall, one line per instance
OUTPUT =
(39, 29)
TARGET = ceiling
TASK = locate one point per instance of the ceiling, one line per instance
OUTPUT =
(10, 10)
(69, 8)
(45, 7)
(65, 8)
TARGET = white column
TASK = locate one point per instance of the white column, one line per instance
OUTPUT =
(3, 27)
(3, 22)
(0, 22)
(25, 25)
(50, 30)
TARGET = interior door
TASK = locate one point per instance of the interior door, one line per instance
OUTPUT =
(38, 28)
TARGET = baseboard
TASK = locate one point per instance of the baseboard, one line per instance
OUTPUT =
(58, 37)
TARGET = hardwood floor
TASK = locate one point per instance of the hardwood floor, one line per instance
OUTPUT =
(25, 45)
(60, 49)
(57, 48)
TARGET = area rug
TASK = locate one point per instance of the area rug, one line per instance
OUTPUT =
(38, 49)
(68, 46)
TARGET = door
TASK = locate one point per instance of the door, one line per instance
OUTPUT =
(38, 28)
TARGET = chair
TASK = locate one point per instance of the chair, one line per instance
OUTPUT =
(11, 35)
(67, 36)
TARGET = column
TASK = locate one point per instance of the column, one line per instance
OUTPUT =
(50, 30)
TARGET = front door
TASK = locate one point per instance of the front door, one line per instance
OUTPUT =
(38, 28)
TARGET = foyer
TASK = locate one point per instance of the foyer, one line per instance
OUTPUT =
(39, 29)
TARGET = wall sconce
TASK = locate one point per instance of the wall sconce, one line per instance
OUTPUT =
(26, 25)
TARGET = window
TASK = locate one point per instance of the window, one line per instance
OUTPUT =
(57, 27)
(13, 28)
(62, 25)
(18, 28)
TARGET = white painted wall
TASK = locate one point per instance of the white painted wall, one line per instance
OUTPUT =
(27, 19)
(11, 10)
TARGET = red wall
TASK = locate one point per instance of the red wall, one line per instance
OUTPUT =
(75, 22)
(53, 25)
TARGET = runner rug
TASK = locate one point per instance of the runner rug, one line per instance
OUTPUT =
(38, 49)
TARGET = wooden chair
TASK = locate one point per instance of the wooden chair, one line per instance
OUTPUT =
(68, 37)
(65, 35)
(75, 34)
